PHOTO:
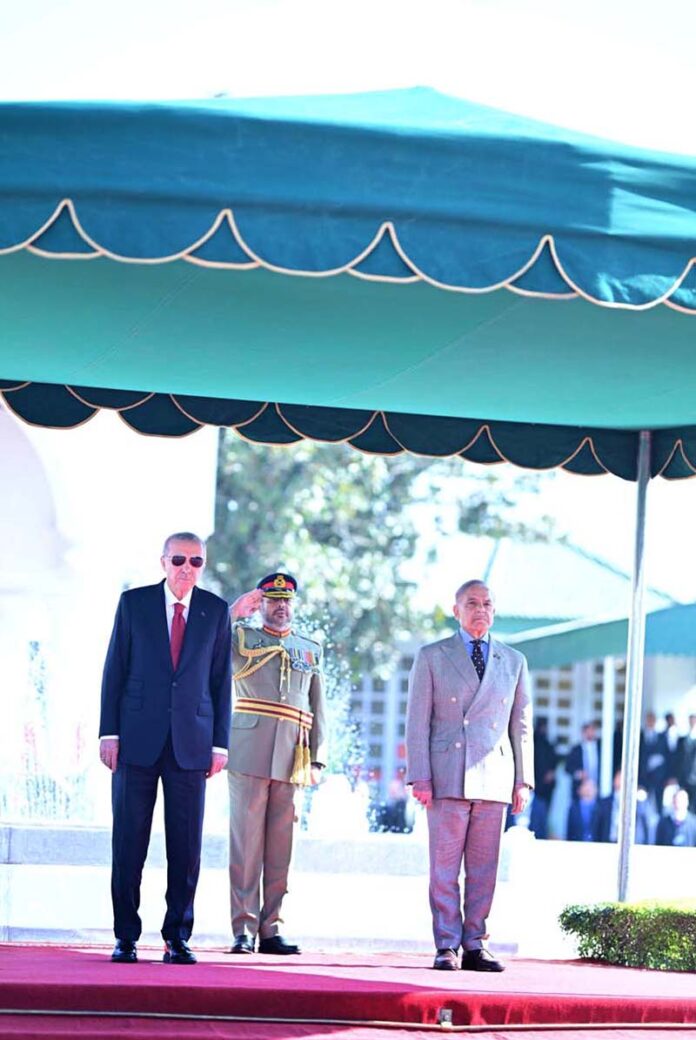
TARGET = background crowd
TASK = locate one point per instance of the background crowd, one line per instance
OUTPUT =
(666, 805)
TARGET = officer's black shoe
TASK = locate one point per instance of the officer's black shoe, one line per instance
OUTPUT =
(277, 944)
(125, 952)
(242, 944)
(177, 951)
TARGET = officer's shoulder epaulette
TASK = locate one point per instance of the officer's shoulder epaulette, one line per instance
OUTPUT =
(242, 627)
(301, 637)
(243, 623)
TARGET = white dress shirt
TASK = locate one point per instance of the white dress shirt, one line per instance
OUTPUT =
(170, 601)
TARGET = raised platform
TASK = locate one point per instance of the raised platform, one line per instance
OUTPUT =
(384, 875)
(77, 991)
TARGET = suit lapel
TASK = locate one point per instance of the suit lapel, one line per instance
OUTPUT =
(157, 615)
(493, 665)
(456, 653)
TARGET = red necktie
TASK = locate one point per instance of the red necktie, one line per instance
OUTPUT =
(177, 636)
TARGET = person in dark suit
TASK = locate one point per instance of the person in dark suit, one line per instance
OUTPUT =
(607, 813)
(584, 758)
(686, 767)
(582, 812)
(675, 747)
(165, 715)
(545, 762)
(678, 828)
(652, 761)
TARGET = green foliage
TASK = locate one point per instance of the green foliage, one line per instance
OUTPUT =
(638, 935)
(344, 524)
(335, 519)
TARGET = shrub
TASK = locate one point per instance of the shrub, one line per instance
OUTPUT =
(638, 935)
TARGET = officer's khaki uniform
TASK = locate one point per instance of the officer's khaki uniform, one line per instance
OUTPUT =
(262, 762)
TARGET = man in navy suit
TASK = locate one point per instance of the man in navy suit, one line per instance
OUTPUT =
(584, 759)
(165, 714)
(608, 811)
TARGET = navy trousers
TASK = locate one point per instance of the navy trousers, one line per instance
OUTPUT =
(133, 796)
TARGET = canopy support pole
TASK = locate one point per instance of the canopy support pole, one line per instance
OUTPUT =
(634, 675)
(606, 765)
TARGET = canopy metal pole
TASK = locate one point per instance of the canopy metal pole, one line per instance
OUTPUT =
(606, 765)
(634, 674)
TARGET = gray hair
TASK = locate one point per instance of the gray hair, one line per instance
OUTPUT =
(463, 589)
(181, 536)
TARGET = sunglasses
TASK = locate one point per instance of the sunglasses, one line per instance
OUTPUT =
(179, 561)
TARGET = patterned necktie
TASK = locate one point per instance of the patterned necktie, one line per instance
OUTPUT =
(477, 658)
(177, 636)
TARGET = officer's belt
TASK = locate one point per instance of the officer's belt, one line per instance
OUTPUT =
(273, 710)
(301, 768)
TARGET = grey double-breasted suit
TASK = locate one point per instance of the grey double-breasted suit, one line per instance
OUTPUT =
(260, 765)
(472, 739)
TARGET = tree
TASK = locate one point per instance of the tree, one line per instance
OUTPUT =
(344, 524)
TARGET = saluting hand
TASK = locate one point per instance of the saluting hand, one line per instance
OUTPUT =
(246, 604)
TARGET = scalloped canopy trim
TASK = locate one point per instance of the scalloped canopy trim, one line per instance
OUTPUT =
(384, 258)
(579, 450)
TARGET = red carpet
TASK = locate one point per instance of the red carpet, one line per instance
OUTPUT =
(53, 1028)
(318, 995)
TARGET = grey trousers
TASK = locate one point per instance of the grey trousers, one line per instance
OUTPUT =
(262, 818)
(469, 832)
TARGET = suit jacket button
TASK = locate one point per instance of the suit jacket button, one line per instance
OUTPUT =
(173, 684)
(466, 722)
(454, 700)
(458, 744)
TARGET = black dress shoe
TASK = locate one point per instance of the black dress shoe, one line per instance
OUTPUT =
(125, 952)
(277, 944)
(242, 944)
(446, 960)
(480, 960)
(177, 951)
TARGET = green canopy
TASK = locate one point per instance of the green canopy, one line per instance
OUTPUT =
(671, 631)
(401, 271)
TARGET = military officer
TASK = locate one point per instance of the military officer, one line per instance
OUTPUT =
(277, 745)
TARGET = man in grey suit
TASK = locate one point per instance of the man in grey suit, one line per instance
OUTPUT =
(470, 753)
